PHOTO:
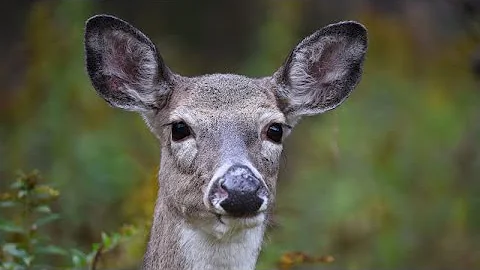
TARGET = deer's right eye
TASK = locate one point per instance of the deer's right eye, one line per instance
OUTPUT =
(180, 130)
(275, 133)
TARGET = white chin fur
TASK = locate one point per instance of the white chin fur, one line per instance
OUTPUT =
(231, 243)
(225, 226)
(243, 222)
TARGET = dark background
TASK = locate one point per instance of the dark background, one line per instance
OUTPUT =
(390, 180)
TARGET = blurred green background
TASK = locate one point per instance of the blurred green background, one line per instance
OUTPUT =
(390, 180)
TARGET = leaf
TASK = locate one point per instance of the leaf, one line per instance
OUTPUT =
(10, 266)
(28, 260)
(53, 250)
(6, 204)
(116, 237)
(10, 227)
(95, 247)
(291, 259)
(79, 259)
(106, 240)
(12, 249)
(16, 185)
(91, 256)
(22, 193)
(47, 219)
(47, 192)
(128, 230)
(43, 209)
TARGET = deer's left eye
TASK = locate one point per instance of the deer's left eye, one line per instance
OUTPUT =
(275, 133)
(180, 130)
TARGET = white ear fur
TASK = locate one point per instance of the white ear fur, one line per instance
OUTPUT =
(323, 69)
(124, 65)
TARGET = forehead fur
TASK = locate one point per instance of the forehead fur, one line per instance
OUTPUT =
(224, 92)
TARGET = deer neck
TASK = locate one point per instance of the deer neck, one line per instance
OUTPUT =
(176, 244)
(237, 251)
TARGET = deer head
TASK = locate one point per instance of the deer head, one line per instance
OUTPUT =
(221, 135)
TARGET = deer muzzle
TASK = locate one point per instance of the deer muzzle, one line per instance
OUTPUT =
(238, 193)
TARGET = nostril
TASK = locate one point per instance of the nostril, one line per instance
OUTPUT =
(217, 192)
(245, 193)
(222, 192)
(262, 191)
(222, 185)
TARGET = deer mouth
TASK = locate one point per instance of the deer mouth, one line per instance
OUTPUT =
(245, 222)
(245, 216)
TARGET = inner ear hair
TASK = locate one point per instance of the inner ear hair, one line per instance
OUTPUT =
(124, 65)
(323, 69)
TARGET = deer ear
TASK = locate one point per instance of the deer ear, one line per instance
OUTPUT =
(322, 70)
(124, 66)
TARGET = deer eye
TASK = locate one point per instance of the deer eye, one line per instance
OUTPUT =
(275, 133)
(180, 130)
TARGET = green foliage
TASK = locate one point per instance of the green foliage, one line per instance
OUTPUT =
(20, 239)
(24, 245)
(108, 243)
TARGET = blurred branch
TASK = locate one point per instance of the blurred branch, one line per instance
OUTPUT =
(476, 64)
(96, 258)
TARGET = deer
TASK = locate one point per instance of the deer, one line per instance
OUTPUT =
(221, 135)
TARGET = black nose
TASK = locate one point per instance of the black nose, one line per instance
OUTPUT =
(245, 191)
